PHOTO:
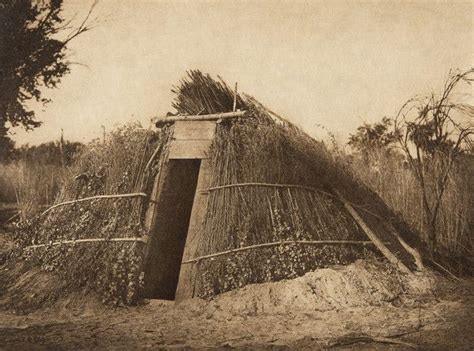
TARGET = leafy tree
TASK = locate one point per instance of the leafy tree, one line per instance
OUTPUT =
(6, 144)
(33, 56)
(434, 132)
(371, 138)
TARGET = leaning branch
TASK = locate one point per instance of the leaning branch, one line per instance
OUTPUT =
(372, 236)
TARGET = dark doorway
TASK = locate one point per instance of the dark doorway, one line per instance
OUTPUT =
(168, 237)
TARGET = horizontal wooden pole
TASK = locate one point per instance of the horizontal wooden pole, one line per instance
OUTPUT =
(268, 185)
(94, 198)
(211, 117)
(92, 240)
(278, 243)
(287, 186)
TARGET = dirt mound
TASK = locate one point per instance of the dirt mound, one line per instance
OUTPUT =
(360, 284)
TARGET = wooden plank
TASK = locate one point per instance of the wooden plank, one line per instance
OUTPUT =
(196, 233)
(194, 130)
(151, 212)
(372, 236)
(189, 149)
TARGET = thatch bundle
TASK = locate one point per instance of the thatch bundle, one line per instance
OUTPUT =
(200, 94)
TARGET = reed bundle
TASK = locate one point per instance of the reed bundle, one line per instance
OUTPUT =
(199, 94)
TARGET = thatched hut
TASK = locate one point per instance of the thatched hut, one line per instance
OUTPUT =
(243, 196)
(223, 194)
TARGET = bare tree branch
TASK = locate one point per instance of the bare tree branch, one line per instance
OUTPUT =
(429, 128)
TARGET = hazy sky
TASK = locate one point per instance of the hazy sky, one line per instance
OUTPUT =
(331, 63)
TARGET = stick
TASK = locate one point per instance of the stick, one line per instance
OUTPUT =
(266, 185)
(12, 217)
(295, 186)
(235, 98)
(157, 150)
(276, 243)
(93, 198)
(411, 250)
(211, 117)
(445, 270)
(92, 240)
(352, 339)
(372, 236)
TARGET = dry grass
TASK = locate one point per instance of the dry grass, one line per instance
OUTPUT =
(30, 185)
(394, 182)
(7, 192)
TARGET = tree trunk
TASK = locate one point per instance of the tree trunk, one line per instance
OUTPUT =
(432, 237)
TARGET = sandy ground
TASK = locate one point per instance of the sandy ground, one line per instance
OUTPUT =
(341, 308)
(163, 325)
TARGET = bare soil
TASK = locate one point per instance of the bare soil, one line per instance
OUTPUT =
(356, 307)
